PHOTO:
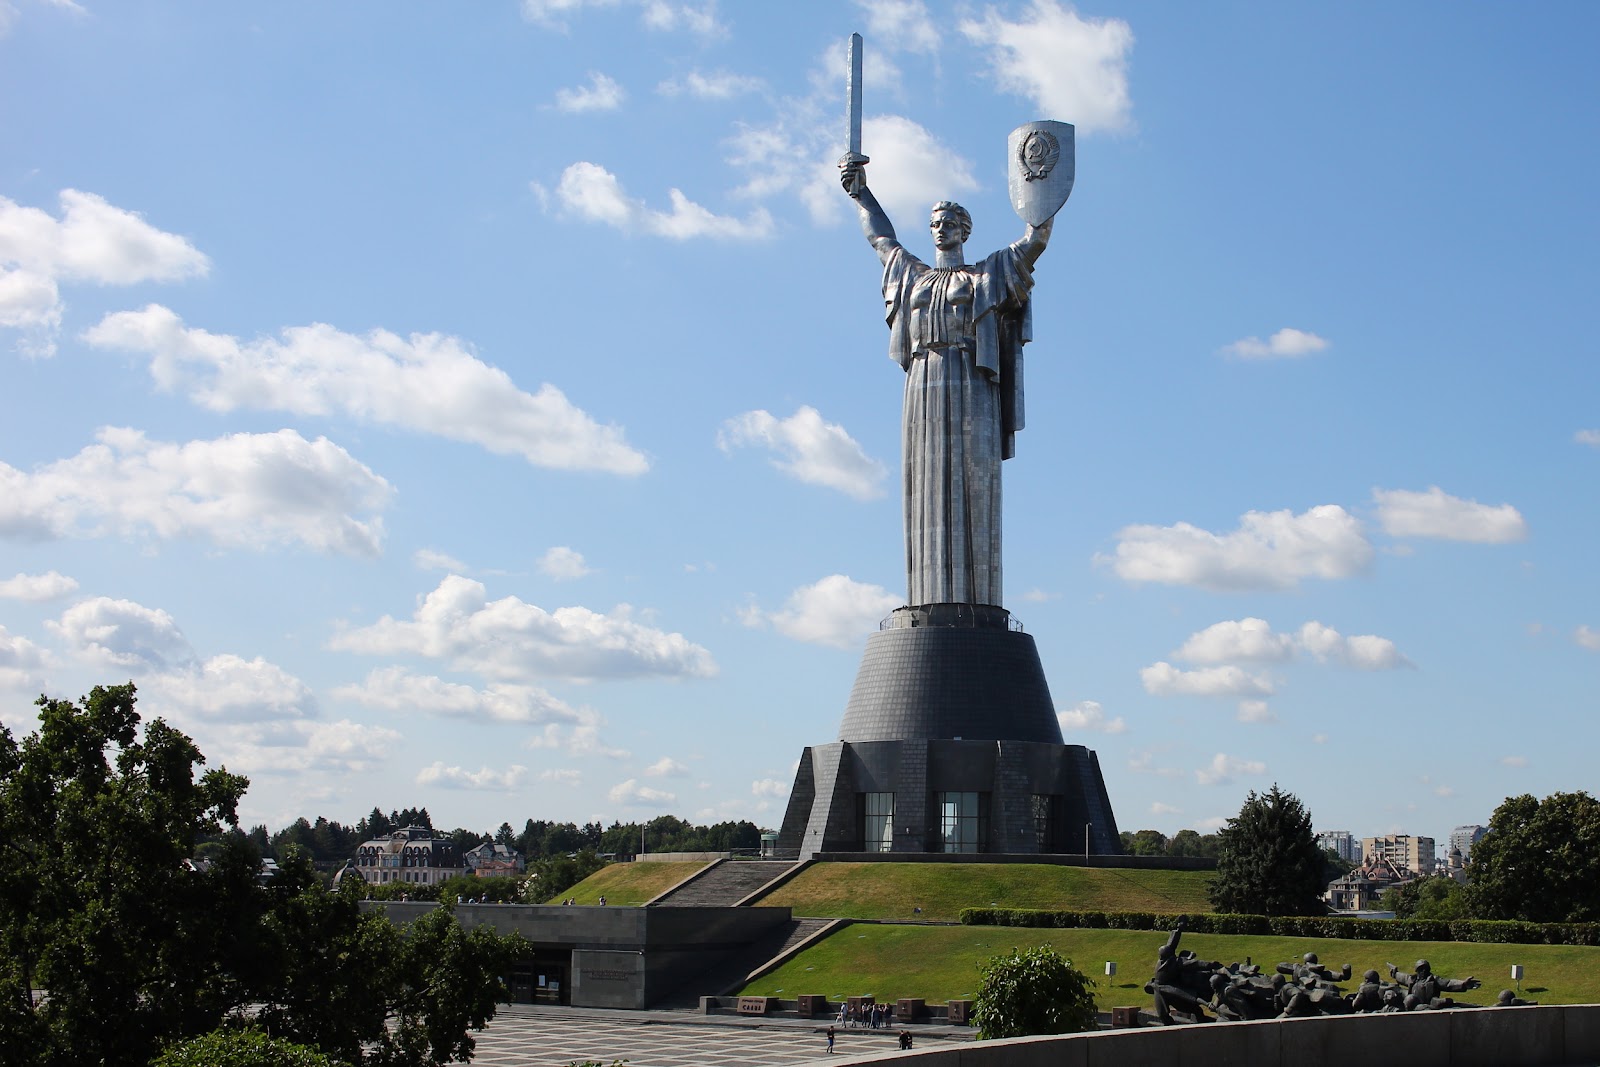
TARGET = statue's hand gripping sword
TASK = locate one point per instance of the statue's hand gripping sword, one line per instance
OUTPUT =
(853, 117)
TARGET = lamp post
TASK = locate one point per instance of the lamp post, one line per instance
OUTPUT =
(1086, 839)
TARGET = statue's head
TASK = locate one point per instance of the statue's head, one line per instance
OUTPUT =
(950, 223)
(1310, 957)
(1370, 976)
(1423, 968)
(1506, 998)
(1163, 953)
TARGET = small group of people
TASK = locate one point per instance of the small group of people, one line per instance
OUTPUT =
(570, 901)
(1193, 986)
(905, 1040)
(873, 1016)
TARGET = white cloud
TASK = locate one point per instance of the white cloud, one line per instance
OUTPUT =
(1163, 679)
(295, 747)
(1270, 550)
(565, 776)
(1158, 808)
(1246, 639)
(769, 787)
(904, 25)
(666, 767)
(459, 778)
(582, 739)
(21, 662)
(911, 170)
(1072, 68)
(121, 633)
(1587, 637)
(601, 94)
(1088, 715)
(700, 21)
(1513, 761)
(427, 559)
(1587, 437)
(1223, 769)
(563, 564)
(249, 490)
(1319, 739)
(809, 450)
(1287, 343)
(1144, 763)
(513, 640)
(633, 795)
(1039, 596)
(37, 587)
(232, 688)
(1212, 823)
(1435, 513)
(836, 611)
(427, 383)
(712, 85)
(92, 242)
(590, 192)
(554, 13)
(1364, 652)
(1256, 711)
(396, 689)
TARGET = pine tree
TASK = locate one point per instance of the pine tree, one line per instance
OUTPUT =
(1269, 862)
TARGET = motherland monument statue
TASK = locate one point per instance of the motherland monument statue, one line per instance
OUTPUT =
(950, 741)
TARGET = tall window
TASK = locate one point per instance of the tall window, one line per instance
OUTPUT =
(877, 830)
(960, 821)
(1047, 821)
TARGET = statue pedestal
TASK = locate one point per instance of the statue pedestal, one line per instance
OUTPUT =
(950, 743)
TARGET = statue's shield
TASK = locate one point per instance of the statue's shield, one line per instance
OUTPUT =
(1041, 168)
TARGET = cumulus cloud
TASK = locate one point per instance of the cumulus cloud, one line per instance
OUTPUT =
(1269, 550)
(296, 747)
(1158, 808)
(582, 739)
(122, 633)
(513, 640)
(711, 85)
(21, 662)
(589, 192)
(566, 776)
(835, 611)
(1437, 514)
(1287, 343)
(1253, 639)
(232, 688)
(92, 242)
(246, 490)
(911, 170)
(633, 795)
(769, 787)
(1246, 639)
(666, 767)
(1144, 763)
(396, 689)
(563, 564)
(1088, 715)
(1587, 637)
(460, 778)
(601, 94)
(808, 450)
(37, 587)
(1067, 65)
(1223, 769)
(427, 383)
(1513, 761)
(660, 15)
(1587, 437)
(904, 25)
(1256, 711)
(1163, 679)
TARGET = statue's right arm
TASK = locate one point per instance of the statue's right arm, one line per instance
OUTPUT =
(875, 222)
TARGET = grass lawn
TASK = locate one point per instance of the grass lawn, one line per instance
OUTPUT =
(893, 890)
(940, 963)
(628, 883)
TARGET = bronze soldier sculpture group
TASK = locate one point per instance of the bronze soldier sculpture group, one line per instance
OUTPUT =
(1189, 986)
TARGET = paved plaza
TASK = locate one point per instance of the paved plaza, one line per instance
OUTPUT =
(523, 1036)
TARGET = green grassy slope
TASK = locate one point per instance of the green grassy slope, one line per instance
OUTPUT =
(894, 890)
(628, 883)
(939, 963)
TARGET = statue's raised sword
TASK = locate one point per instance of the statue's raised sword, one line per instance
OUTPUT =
(853, 112)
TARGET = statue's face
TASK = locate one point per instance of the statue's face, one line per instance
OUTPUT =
(946, 229)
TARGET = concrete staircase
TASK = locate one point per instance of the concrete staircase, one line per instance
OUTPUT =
(729, 976)
(723, 884)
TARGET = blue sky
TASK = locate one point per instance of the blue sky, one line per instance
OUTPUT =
(488, 407)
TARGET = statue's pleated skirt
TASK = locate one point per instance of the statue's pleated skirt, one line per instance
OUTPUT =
(950, 443)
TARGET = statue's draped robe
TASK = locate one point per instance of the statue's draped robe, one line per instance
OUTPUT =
(958, 334)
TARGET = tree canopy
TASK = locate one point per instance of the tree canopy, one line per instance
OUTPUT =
(138, 948)
(1539, 862)
(1268, 862)
(1033, 991)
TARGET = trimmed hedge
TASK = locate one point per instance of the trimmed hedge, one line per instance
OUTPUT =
(1474, 930)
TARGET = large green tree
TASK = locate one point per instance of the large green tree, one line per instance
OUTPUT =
(137, 949)
(1033, 991)
(1268, 862)
(1540, 861)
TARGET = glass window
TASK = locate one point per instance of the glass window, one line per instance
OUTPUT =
(1047, 821)
(960, 818)
(877, 822)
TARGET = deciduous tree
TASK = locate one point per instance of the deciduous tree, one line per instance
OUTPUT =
(1540, 861)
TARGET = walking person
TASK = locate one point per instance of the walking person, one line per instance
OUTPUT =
(830, 1040)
